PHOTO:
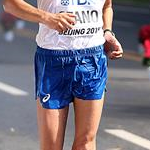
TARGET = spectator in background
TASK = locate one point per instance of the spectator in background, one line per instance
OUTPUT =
(8, 23)
(144, 40)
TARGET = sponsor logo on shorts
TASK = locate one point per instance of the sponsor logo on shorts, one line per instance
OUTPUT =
(46, 98)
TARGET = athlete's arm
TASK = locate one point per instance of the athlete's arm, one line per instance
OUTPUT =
(112, 46)
(107, 15)
(25, 11)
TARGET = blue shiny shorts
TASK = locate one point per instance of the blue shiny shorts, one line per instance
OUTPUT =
(61, 75)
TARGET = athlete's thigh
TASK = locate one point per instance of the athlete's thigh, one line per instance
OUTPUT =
(51, 125)
(87, 116)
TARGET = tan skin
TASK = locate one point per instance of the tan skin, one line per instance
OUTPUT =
(52, 122)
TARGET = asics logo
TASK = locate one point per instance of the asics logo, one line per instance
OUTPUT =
(46, 98)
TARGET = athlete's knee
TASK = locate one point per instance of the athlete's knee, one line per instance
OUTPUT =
(85, 142)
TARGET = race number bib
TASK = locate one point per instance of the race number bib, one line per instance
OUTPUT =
(88, 16)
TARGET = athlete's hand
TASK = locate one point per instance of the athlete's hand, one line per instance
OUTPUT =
(60, 21)
(113, 48)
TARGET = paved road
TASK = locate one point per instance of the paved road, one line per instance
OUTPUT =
(125, 121)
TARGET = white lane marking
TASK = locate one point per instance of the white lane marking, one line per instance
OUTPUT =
(130, 137)
(12, 90)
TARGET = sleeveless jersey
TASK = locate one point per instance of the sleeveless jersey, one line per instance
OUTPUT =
(87, 32)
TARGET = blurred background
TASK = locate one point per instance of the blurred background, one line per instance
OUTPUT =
(126, 117)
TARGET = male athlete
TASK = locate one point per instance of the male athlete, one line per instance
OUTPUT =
(70, 65)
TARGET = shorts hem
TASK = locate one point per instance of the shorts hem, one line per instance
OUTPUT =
(98, 97)
(61, 107)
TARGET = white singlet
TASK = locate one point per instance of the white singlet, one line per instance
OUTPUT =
(87, 32)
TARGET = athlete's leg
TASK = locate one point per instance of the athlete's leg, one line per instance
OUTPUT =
(87, 119)
(51, 125)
